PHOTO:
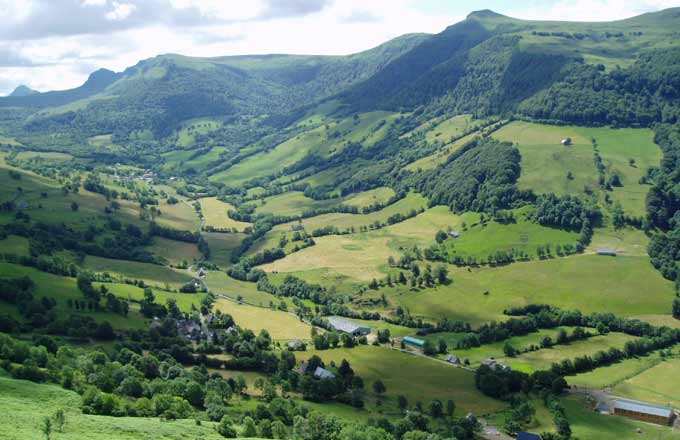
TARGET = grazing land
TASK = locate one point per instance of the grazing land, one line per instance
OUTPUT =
(280, 325)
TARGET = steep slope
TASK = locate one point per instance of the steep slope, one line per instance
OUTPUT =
(21, 91)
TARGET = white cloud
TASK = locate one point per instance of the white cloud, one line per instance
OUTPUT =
(120, 11)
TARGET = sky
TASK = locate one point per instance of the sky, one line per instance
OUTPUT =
(56, 44)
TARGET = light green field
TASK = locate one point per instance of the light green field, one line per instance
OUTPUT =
(587, 424)
(202, 161)
(280, 325)
(222, 284)
(544, 358)
(477, 354)
(625, 241)
(481, 240)
(417, 378)
(62, 289)
(179, 216)
(658, 384)
(215, 213)
(24, 405)
(342, 221)
(440, 156)
(174, 251)
(449, 128)
(14, 244)
(545, 162)
(292, 203)
(150, 273)
(186, 136)
(616, 373)
(47, 156)
(586, 282)
(367, 198)
(134, 293)
(222, 246)
(660, 320)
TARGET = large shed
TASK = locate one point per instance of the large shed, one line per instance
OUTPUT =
(413, 341)
(345, 326)
(645, 412)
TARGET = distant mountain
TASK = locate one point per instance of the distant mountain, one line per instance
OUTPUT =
(621, 72)
(22, 91)
(96, 83)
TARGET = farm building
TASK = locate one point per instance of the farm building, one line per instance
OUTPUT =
(607, 252)
(493, 364)
(527, 436)
(349, 327)
(297, 227)
(453, 359)
(645, 412)
(566, 141)
(413, 341)
(454, 234)
(296, 344)
(322, 373)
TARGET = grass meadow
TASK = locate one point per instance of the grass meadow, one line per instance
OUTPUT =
(215, 214)
(280, 325)
(152, 274)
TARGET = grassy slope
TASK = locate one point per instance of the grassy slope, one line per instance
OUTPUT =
(25, 404)
(215, 213)
(280, 325)
(658, 384)
(174, 251)
(151, 273)
(222, 246)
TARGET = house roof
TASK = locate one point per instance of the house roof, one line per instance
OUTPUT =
(606, 251)
(412, 340)
(346, 326)
(452, 358)
(528, 436)
(322, 373)
(643, 408)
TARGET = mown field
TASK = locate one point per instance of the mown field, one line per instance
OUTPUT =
(174, 251)
(215, 214)
(152, 274)
(222, 246)
(417, 378)
(280, 325)
(658, 384)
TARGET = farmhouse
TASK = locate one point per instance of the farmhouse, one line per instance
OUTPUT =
(413, 341)
(493, 364)
(453, 359)
(322, 373)
(645, 412)
(454, 234)
(349, 327)
(606, 252)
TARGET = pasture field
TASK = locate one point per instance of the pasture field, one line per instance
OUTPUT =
(222, 246)
(416, 377)
(625, 241)
(152, 274)
(46, 156)
(134, 293)
(477, 354)
(483, 239)
(370, 197)
(63, 289)
(222, 284)
(292, 203)
(543, 358)
(280, 325)
(658, 384)
(186, 136)
(449, 128)
(14, 244)
(25, 404)
(660, 320)
(546, 162)
(439, 156)
(215, 214)
(174, 251)
(587, 424)
(179, 216)
(615, 373)
(342, 221)
(588, 283)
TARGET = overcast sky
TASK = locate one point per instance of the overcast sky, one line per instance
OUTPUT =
(55, 44)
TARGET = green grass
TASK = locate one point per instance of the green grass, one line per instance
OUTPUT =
(370, 197)
(152, 274)
(174, 251)
(221, 283)
(186, 136)
(542, 359)
(280, 325)
(658, 384)
(589, 283)
(134, 293)
(215, 213)
(14, 244)
(586, 424)
(25, 404)
(292, 203)
(222, 246)
(440, 156)
(625, 241)
(481, 240)
(616, 373)
(63, 289)
(417, 378)
(179, 216)
(546, 163)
